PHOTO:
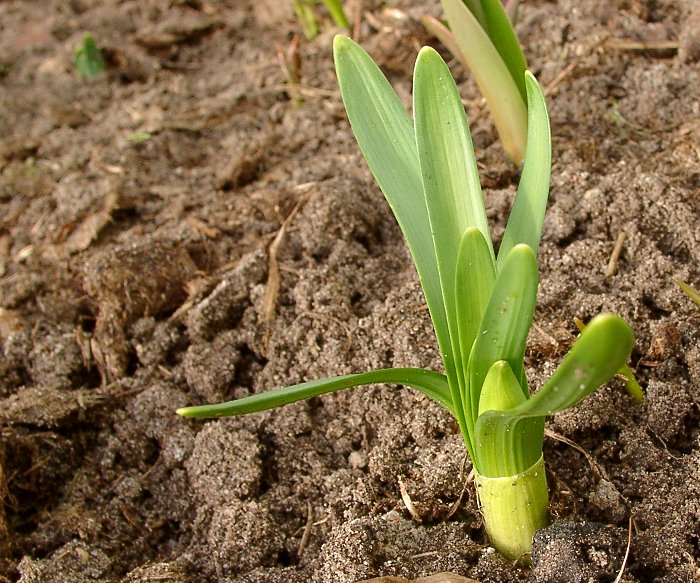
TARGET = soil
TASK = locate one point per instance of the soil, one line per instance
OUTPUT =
(192, 226)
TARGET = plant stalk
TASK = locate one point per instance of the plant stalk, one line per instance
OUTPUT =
(514, 508)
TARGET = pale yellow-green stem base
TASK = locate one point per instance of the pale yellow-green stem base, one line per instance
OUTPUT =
(514, 508)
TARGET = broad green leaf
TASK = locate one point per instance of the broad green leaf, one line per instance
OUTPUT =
(473, 287)
(501, 390)
(430, 383)
(599, 352)
(504, 328)
(500, 31)
(386, 138)
(631, 384)
(509, 454)
(527, 216)
(493, 77)
(450, 182)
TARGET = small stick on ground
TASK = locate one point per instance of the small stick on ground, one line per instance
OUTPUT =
(566, 71)
(357, 21)
(624, 44)
(615, 255)
(307, 529)
(408, 502)
(597, 469)
(272, 288)
(627, 552)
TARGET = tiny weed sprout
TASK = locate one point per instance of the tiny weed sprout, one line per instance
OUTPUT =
(304, 9)
(481, 304)
(481, 36)
(87, 58)
(692, 293)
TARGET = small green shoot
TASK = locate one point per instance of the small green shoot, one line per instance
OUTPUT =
(87, 58)
(138, 137)
(481, 35)
(481, 303)
(304, 9)
(692, 293)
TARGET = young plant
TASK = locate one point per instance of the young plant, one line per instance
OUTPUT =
(481, 36)
(692, 293)
(304, 10)
(87, 58)
(481, 304)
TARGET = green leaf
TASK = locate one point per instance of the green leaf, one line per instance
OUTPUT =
(509, 453)
(473, 287)
(631, 384)
(599, 352)
(438, 29)
(430, 383)
(335, 9)
(500, 31)
(689, 291)
(386, 138)
(477, 10)
(450, 182)
(307, 18)
(504, 328)
(493, 77)
(527, 216)
(88, 58)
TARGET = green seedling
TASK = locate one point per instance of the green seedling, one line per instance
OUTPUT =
(692, 293)
(87, 58)
(481, 304)
(480, 35)
(304, 9)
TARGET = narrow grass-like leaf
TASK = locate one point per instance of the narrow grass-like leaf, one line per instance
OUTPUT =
(307, 18)
(335, 9)
(386, 138)
(500, 31)
(436, 28)
(527, 216)
(430, 383)
(689, 291)
(596, 356)
(476, 8)
(493, 77)
(503, 331)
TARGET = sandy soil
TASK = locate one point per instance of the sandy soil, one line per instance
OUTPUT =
(137, 213)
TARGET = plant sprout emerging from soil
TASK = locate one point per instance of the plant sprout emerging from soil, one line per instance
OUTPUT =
(481, 36)
(87, 58)
(304, 9)
(691, 292)
(481, 304)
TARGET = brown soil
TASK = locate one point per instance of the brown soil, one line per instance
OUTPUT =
(137, 211)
